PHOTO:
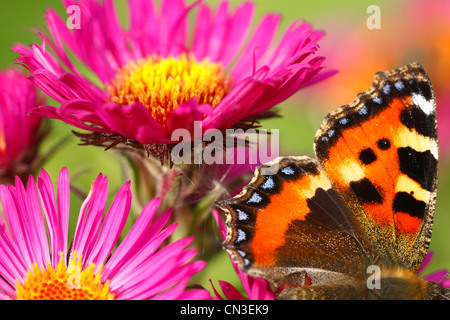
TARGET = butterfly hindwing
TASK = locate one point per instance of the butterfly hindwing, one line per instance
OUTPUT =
(293, 223)
(381, 153)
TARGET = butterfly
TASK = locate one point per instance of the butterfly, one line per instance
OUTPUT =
(356, 221)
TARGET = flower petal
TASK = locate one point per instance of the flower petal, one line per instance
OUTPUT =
(55, 216)
(186, 114)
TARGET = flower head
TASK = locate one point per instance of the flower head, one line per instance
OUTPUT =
(156, 77)
(36, 262)
(20, 133)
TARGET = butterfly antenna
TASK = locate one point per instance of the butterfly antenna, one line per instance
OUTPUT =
(444, 278)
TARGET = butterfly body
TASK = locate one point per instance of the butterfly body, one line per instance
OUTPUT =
(394, 284)
(316, 227)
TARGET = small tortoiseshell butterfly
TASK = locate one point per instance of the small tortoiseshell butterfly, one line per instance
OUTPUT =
(356, 222)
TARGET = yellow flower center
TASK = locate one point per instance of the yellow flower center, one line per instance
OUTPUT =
(64, 283)
(162, 84)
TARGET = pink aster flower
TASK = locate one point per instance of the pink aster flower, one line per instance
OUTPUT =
(255, 288)
(36, 263)
(20, 133)
(164, 71)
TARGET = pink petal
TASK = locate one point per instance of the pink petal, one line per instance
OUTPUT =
(111, 227)
(184, 116)
(230, 292)
(55, 218)
(258, 45)
(90, 218)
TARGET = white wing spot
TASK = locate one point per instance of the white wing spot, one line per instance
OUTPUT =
(255, 198)
(363, 111)
(377, 100)
(242, 215)
(288, 170)
(242, 253)
(269, 184)
(343, 121)
(241, 236)
(399, 85)
(422, 103)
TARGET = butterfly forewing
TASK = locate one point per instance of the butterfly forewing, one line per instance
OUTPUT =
(380, 152)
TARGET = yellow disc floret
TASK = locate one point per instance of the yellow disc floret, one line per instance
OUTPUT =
(162, 84)
(64, 283)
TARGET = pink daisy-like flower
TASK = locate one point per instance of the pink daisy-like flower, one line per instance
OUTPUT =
(156, 76)
(20, 133)
(255, 288)
(36, 263)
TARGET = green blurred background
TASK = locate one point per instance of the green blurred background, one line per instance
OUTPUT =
(348, 44)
